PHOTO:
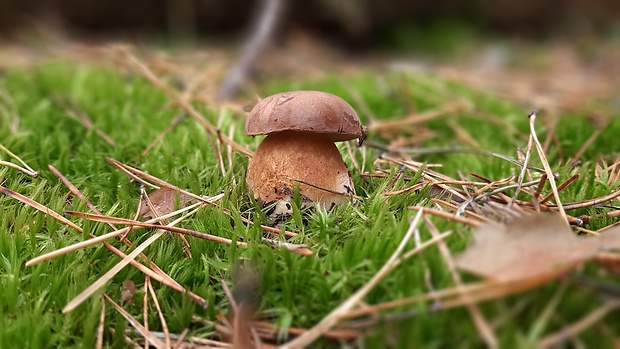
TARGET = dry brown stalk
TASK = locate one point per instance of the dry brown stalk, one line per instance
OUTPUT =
(120, 265)
(561, 187)
(335, 315)
(136, 324)
(100, 327)
(28, 201)
(151, 77)
(417, 118)
(72, 109)
(137, 174)
(135, 223)
(484, 329)
(178, 118)
(447, 215)
(326, 189)
(96, 239)
(162, 319)
(145, 310)
(24, 168)
(455, 208)
(580, 325)
(587, 203)
(75, 191)
(545, 163)
(242, 323)
(587, 144)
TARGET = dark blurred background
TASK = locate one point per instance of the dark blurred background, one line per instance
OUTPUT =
(349, 23)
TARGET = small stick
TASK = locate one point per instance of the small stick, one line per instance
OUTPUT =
(451, 150)
(100, 238)
(586, 144)
(486, 332)
(28, 201)
(149, 75)
(266, 21)
(539, 189)
(446, 215)
(588, 203)
(561, 187)
(164, 325)
(99, 342)
(545, 163)
(523, 170)
(579, 326)
(120, 265)
(24, 168)
(334, 316)
(136, 324)
(326, 189)
(169, 227)
(180, 117)
(134, 173)
(156, 213)
(455, 208)
(145, 310)
(417, 118)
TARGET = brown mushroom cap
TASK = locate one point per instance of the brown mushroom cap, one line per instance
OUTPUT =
(305, 111)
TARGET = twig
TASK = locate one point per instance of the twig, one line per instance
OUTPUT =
(575, 328)
(258, 40)
(99, 342)
(177, 120)
(486, 332)
(450, 150)
(24, 168)
(136, 324)
(137, 174)
(334, 316)
(164, 325)
(447, 215)
(149, 75)
(545, 163)
(528, 151)
(99, 238)
(172, 228)
(587, 144)
(28, 201)
(561, 187)
(120, 265)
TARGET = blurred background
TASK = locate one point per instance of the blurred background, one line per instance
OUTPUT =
(573, 42)
(350, 23)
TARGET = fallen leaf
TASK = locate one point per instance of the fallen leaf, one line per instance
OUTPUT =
(128, 291)
(164, 200)
(537, 246)
(609, 261)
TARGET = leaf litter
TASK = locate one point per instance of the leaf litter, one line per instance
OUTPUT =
(533, 246)
(547, 247)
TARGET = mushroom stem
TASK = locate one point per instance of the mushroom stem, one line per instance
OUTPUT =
(285, 160)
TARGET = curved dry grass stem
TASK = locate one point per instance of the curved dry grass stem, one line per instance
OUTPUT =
(545, 163)
(24, 168)
(150, 76)
(120, 265)
(335, 315)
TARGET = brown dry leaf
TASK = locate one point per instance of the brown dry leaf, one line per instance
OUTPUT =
(538, 246)
(165, 201)
(128, 291)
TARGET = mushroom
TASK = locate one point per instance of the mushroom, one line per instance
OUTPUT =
(299, 149)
